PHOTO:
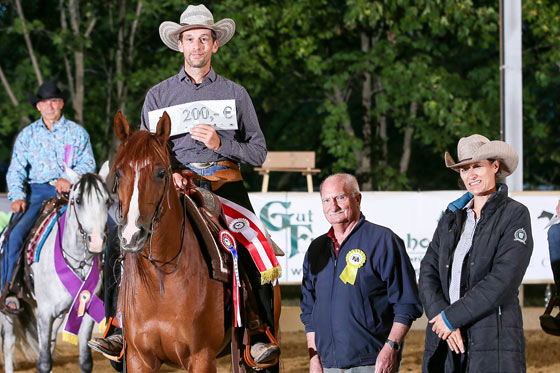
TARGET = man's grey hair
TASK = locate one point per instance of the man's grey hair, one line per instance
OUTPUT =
(345, 179)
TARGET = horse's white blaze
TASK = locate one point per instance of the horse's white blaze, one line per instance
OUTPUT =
(98, 216)
(133, 210)
(96, 242)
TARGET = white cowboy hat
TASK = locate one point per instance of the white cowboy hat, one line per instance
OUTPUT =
(196, 16)
(476, 148)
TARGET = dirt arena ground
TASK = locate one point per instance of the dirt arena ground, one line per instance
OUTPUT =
(542, 351)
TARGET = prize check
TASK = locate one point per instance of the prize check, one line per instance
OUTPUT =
(220, 114)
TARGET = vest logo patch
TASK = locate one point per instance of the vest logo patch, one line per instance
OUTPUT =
(520, 235)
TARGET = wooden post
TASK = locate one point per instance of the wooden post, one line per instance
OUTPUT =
(265, 182)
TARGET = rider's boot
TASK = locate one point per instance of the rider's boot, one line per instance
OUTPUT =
(111, 343)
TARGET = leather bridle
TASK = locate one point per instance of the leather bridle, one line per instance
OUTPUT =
(86, 239)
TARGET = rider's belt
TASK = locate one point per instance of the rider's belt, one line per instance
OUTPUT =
(203, 164)
(228, 164)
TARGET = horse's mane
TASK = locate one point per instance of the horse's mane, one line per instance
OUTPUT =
(90, 182)
(139, 147)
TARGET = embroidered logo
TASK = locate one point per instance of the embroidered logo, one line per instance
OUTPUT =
(520, 235)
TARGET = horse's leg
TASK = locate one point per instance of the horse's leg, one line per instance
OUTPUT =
(202, 361)
(8, 343)
(56, 323)
(44, 327)
(135, 362)
(84, 335)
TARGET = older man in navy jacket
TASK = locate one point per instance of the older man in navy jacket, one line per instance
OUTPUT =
(359, 293)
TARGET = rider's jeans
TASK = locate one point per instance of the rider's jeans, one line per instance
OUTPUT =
(39, 193)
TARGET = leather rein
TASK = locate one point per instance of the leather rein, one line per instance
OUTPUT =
(160, 264)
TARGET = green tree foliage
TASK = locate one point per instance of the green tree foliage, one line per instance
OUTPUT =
(378, 88)
(541, 94)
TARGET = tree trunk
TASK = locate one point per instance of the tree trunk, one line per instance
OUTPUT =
(407, 141)
(339, 99)
(122, 62)
(75, 71)
(24, 119)
(28, 43)
(381, 128)
(78, 101)
(8, 88)
(363, 170)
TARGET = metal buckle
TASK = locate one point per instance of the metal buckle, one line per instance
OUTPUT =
(203, 164)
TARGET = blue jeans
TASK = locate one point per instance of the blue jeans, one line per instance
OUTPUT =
(554, 251)
(39, 193)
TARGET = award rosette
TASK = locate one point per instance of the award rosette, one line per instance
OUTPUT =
(354, 260)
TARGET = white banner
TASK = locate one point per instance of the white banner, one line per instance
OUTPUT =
(295, 219)
(221, 114)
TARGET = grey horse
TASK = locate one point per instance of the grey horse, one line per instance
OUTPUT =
(82, 241)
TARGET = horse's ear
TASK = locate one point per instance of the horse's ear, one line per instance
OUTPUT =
(122, 128)
(163, 128)
(74, 177)
(104, 171)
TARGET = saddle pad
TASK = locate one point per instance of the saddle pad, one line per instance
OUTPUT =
(39, 233)
(220, 261)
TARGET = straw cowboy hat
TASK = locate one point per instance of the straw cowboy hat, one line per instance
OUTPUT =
(47, 90)
(477, 148)
(196, 16)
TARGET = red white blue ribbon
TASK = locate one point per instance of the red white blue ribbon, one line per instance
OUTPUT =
(249, 231)
(228, 242)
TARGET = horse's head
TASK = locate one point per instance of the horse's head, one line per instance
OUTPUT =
(89, 201)
(142, 179)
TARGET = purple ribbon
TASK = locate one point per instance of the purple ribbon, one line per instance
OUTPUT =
(76, 287)
(68, 154)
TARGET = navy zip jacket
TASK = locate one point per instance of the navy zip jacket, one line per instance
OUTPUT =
(352, 322)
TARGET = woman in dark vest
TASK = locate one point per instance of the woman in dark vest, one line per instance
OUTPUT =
(470, 275)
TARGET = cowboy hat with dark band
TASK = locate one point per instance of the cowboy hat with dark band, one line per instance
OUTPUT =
(477, 148)
(196, 16)
(46, 91)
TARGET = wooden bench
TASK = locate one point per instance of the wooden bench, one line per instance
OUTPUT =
(303, 162)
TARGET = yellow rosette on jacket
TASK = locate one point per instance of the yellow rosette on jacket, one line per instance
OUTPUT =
(354, 260)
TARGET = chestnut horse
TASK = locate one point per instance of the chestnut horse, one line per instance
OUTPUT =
(172, 312)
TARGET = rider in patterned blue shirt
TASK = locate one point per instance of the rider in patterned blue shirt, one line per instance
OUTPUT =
(40, 152)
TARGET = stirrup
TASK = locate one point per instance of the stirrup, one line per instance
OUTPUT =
(111, 324)
(247, 353)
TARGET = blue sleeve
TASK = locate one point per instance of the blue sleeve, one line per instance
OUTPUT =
(17, 174)
(447, 321)
(397, 271)
(307, 296)
(83, 161)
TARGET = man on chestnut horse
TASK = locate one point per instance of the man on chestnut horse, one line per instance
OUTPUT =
(215, 129)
